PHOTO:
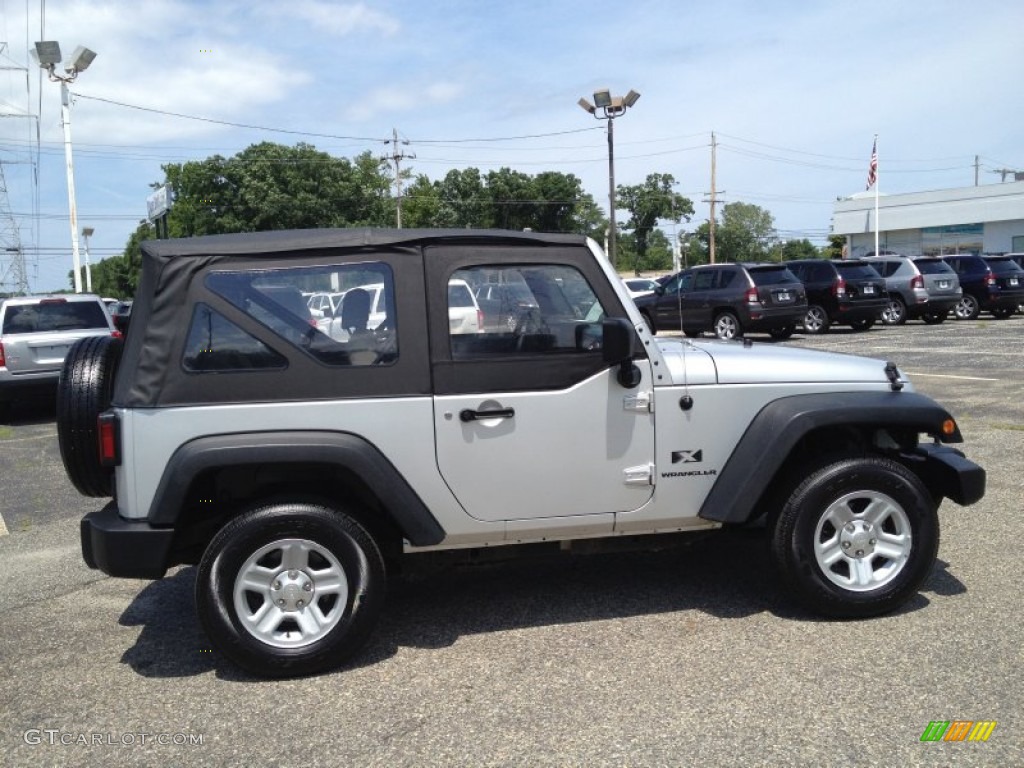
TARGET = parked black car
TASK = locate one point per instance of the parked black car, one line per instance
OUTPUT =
(849, 292)
(729, 299)
(992, 284)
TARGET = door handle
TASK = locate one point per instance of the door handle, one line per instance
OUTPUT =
(500, 413)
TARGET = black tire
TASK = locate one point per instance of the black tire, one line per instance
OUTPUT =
(325, 544)
(967, 308)
(1003, 313)
(862, 325)
(935, 318)
(895, 312)
(691, 334)
(826, 537)
(816, 320)
(781, 334)
(727, 327)
(5, 412)
(83, 393)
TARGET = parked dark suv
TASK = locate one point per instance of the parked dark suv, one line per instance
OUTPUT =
(729, 299)
(992, 284)
(849, 292)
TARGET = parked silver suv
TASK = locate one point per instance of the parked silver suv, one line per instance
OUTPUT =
(923, 287)
(35, 335)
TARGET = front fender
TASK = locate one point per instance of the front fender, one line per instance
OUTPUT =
(775, 431)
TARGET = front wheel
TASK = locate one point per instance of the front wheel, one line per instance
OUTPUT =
(727, 327)
(816, 319)
(895, 312)
(1001, 313)
(781, 334)
(967, 308)
(934, 318)
(290, 589)
(857, 538)
(862, 325)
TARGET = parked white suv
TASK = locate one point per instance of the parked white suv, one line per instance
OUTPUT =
(35, 335)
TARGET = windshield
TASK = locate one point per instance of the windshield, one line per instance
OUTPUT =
(55, 315)
(1004, 267)
(932, 266)
(857, 270)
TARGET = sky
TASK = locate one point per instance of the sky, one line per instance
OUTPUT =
(794, 92)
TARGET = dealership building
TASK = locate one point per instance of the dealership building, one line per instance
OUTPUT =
(981, 219)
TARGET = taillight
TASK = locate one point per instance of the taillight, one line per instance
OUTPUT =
(108, 431)
(117, 334)
(839, 287)
(752, 296)
(990, 281)
(916, 282)
(480, 321)
(3, 360)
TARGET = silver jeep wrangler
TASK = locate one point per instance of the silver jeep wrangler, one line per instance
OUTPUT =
(296, 461)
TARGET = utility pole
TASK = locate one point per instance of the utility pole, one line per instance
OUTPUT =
(1004, 172)
(977, 165)
(713, 200)
(396, 157)
(12, 274)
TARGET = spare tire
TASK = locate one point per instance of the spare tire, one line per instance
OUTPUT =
(84, 392)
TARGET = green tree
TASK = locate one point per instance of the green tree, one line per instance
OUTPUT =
(648, 203)
(835, 248)
(746, 233)
(796, 249)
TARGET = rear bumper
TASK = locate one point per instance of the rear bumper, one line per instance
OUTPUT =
(128, 548)
(850, 311)
(774, 317)
(948, 473)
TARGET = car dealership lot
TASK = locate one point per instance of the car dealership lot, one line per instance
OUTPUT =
(687, 655)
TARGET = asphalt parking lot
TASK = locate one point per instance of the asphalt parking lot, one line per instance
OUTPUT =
(685, 656)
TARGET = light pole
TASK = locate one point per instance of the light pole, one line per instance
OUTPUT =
(610, 107)
(86, 234)
(47, 55)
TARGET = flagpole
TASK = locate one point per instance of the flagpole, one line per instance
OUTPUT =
(876, 195)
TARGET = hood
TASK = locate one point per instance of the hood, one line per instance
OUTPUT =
(735, 362)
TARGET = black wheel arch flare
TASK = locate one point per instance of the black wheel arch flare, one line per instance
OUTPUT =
(341, 449)
(778, 427)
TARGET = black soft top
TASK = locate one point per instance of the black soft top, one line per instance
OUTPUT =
(170, 267)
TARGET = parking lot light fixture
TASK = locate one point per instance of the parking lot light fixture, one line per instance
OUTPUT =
(47, 54)
(608, 107)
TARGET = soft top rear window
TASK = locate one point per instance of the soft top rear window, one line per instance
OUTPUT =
(772, 275)
(55, 315)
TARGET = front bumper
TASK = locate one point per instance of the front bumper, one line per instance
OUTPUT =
(131, 549)
(948, 473)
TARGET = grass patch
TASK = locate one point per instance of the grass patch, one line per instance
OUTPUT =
(1012, 427)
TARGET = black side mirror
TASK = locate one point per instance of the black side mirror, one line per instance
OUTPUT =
(618, 340)
(660, 290)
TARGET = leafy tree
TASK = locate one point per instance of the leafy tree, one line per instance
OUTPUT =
(746, 233)
(648, 203)
(835, 248)
(796, 249)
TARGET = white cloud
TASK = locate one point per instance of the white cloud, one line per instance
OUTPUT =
(341, 19)
(393, 100)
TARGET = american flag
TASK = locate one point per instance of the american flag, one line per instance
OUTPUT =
(873, 167)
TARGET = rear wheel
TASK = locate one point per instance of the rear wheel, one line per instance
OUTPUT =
(83, 393)
(816, 319)
(895, 312)
(727, 327)
(691, 334)
(290, 589)
(857, 538)
(782, 333)
(967, 308)
(934, 318)
(1003, 313)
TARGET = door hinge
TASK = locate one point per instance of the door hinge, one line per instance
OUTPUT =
(642, 475)
(641, 401)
